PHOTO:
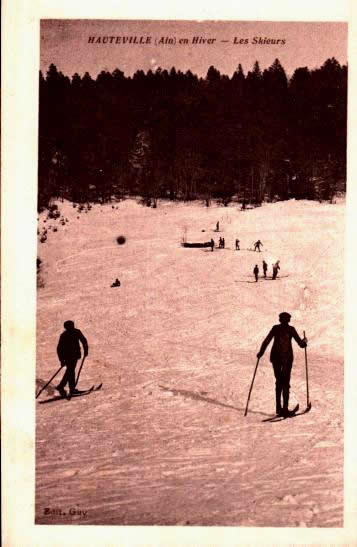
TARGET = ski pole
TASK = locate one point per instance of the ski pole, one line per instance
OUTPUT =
(251, 387)
(308, 404)
(80, 368)
(49, 381)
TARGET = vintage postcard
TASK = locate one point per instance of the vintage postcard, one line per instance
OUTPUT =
(189, 229)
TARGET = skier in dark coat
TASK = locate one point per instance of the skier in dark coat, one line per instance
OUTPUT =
(257, 245)
(265, 268)
(276, 268)
(237, 245)
(69, 351)
(281, 357)
(212, 244)
(256, 272)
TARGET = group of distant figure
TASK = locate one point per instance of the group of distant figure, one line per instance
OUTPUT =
(257, 247)
(275, 268)
(222, 243)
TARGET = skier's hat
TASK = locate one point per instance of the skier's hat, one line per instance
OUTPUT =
(284, 315)
(68, 325)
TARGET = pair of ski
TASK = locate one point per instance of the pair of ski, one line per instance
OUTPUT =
(68, 398)
(292, 414)
(83, 392)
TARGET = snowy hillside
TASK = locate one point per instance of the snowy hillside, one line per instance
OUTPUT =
(165, 441)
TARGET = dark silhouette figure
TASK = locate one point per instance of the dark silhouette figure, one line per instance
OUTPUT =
(276, 268)
(281, 357)
(265, 268)
(217, 227)
(257, 245)
(212, 245)
(237, 245)
(223, 242)
(220, 244)
(256, 272)
(116, 283)
(69, 351)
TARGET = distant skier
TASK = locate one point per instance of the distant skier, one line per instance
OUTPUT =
(217, 226)
(237, 245)
(256, 272)
(265, 268)
(281, 357)
(276, 268)
(116, 283)
(223, 242)
(212, 245)
(69, 351)
(257, 245)
(220, 245)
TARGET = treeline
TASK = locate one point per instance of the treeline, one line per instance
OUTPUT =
(168, 134)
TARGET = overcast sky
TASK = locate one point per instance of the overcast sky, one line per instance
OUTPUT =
(66, 44)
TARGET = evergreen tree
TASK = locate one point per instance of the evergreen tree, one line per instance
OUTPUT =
(172, 134)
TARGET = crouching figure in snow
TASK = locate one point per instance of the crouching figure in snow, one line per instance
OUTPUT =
(281, 357)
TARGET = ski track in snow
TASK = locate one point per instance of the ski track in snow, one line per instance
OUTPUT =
(165, 441)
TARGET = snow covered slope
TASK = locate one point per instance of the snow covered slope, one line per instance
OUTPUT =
(166, 441)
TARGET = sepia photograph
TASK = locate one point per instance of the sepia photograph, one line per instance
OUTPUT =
(191, 192)
(177, 276)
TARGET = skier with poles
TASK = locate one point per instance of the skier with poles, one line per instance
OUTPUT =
(69, 351)
(281, 357)
(257, 245)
